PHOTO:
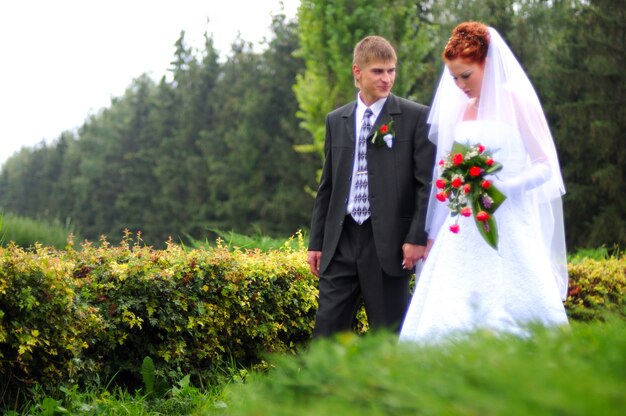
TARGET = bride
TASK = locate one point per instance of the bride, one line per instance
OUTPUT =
(484, 97)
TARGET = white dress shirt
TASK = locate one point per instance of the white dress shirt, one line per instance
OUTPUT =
(358, 119)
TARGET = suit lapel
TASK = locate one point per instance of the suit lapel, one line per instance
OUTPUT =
(390, 109)
(348, 116)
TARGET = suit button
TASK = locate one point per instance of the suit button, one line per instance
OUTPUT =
(341, 222)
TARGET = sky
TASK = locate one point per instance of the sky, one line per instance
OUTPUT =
(63, 60)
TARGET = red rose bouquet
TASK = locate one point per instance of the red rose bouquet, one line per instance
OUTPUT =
(463, 185)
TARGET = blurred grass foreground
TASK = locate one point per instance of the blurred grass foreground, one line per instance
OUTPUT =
(577, 371)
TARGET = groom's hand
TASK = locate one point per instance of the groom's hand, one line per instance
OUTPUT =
(411, 253)
(314, 258)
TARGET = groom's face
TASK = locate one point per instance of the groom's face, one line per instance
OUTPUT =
(374, 80)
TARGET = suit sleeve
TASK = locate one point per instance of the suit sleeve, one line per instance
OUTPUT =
(423, 162)
(320, 208)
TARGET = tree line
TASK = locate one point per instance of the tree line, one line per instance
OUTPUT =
(236, 145)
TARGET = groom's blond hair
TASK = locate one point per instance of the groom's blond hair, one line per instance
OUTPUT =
(373, 49)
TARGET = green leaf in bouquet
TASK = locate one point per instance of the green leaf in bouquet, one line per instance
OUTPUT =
(488, 229)
(493, 168)
(459, 148)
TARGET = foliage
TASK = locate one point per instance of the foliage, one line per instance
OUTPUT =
(255, 177)
(600, 253)
(181, 398)
(95, 314)
(539, 375)
(552, 372)
(25, 232)
(596, 287)
(82, 317)
(44, 326)
(197, 307)
(236, 241)
(588, 107)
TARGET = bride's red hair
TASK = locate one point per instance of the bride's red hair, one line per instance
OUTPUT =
(469, 40)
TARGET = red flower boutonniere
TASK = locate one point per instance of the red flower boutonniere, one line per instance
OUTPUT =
(384, 135)
(463, 185)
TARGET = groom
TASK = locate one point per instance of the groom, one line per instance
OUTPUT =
(367, 230)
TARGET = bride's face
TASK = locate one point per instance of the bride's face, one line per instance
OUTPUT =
(468, 75)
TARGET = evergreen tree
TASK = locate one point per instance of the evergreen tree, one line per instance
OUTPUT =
(589, 110)
(257, 179)
(139, 146)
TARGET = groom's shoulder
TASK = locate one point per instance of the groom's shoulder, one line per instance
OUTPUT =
(409, 105)
(342, 111)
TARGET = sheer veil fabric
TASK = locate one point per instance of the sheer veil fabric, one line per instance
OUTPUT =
(507, 99)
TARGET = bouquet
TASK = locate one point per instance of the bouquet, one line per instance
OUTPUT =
(463, 185)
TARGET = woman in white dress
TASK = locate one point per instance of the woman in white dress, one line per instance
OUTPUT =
(485, 97)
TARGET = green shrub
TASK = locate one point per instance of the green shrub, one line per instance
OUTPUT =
(596, 287)
(92, 315)
(192, 310)
(577, 372)
(42, 325)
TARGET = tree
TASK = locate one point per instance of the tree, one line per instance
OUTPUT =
(589, 119)
(257, 180)
(186, 109)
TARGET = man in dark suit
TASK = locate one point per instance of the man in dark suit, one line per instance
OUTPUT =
(367, 229)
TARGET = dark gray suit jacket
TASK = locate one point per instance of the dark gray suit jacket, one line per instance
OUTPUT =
(399, 182)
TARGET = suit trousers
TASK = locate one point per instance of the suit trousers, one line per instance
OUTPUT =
(354, 273)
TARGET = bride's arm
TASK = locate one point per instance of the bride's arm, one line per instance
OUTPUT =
(535, 135)
(537, 175)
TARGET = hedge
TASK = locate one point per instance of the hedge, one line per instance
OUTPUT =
(92, 315)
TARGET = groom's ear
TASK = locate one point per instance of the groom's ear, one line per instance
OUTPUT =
(356, 72)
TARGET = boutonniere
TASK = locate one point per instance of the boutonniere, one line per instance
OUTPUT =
(384, 135)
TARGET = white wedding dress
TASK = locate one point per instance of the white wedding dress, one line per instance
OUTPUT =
(467, 285)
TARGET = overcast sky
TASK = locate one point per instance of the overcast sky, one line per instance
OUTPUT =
(62, 60)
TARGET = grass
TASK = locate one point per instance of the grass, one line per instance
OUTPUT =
(259, 241)
(600, 253)
(26, 232)
(179, 399)
(581, 371)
